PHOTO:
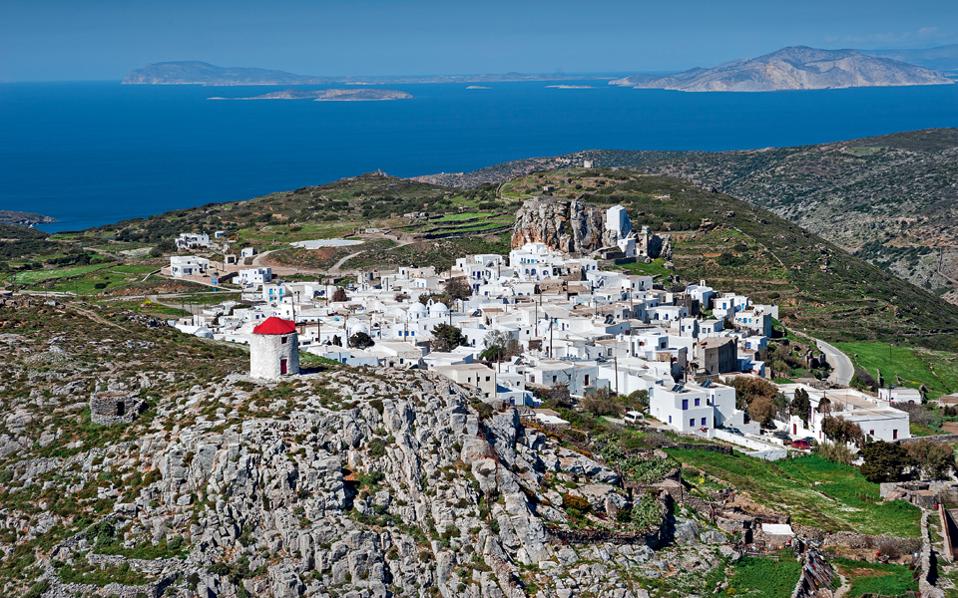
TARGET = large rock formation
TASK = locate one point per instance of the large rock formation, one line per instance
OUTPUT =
(567, 225)
(347, 482)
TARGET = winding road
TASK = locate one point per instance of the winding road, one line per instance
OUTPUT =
(842, 367)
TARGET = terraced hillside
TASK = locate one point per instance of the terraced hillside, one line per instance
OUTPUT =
(892, 200)
(733, 244)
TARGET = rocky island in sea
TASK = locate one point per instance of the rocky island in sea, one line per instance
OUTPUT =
(23, 218)
(329, 95)
(794, 68)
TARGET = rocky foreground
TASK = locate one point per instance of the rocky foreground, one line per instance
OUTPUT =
(336, 483)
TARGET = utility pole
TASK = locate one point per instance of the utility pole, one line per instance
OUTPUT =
(615, 362)
(551, 326)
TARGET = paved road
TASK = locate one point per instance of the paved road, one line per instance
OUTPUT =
(842, 368)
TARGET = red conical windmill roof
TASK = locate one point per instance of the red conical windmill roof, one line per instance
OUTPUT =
(275, 326)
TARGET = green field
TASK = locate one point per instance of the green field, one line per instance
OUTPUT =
(656, 268)
(90, 279)
(877, 579)
(768, 577)
(814, 491)
(277, 235)
(937, 370)
(34, 277)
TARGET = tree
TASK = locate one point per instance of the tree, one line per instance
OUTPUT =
(934, 460)
(762, 410)
(458, 288)
(446, 337)
(839, 429)
(339, 295)
(747, 388)
(361, 340)
(499, 347)
(800, 405)
(600, 402)
(557, 395)
(884, 461)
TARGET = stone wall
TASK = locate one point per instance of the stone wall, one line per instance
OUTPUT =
(816, 577)
(115, 407)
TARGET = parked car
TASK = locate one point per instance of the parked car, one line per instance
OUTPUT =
(633, 417)
(801, 444)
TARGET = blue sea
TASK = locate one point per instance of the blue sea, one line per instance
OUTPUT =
(95, 153)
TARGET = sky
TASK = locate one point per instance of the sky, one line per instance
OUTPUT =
(50, 40)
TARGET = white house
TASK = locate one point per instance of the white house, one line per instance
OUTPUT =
(476, 375)
(188, 265)
(253, 277)
(877, 419)
(684, 408)
(900, 395)
(192, 241)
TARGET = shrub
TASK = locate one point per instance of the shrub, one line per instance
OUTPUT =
(837, 452)
(575, 503)
(884, 462)
(933, 460)
(600, 402)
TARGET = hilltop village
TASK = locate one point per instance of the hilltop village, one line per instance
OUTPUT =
(546, 321)
(595, 385)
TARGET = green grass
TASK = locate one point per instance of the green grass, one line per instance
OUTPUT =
(813, 490)
(875, 578)
(211, 298)
(768, 577)
(264, 237)
(937, 370)
(34, 277)
(151, 309)
(656, 268)
(89, 279)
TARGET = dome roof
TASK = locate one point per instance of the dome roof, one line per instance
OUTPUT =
(276, 326)
(417, 308)
(438, 308)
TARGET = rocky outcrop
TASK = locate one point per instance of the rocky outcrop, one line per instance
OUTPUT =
(567, 225)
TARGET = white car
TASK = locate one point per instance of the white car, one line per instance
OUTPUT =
(633, 417)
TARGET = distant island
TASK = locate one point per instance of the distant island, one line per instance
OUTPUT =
(329, 95)
(194, 72)
(23, 218)
(568, 87)
(793, 68)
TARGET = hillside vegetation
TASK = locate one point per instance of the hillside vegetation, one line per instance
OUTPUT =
(892, 200)
(736, 246)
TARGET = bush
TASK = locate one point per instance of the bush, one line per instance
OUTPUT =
(884, 462)
(601, 402)
(837, 452)
(446, 337)
(933, 460)
(575, 503)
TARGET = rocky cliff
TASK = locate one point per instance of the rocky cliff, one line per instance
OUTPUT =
(567, 225)
(339, 482)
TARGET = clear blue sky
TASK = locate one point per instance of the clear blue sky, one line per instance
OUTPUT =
(103, 39)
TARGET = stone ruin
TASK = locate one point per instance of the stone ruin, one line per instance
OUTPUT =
(115, 407)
